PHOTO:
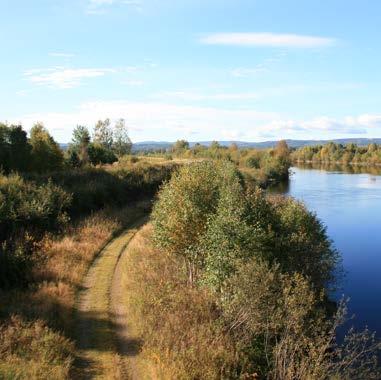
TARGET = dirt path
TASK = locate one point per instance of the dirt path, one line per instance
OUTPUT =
(128, 344)
(106, 350)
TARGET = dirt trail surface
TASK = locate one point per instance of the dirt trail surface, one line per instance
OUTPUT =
(128, 344)
(106, 349)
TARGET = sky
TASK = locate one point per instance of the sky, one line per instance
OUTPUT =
(245, 70)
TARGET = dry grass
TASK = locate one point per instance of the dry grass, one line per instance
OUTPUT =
(177, 323)
(62, 261)
(33, 351)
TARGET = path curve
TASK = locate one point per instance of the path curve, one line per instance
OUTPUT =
(105, 348)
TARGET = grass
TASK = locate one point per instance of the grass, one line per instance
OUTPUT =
(176, 323)
(32, 350)
(44, 311)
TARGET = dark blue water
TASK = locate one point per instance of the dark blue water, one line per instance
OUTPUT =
(350, 206)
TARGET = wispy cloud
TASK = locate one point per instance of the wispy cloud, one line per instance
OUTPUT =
(134, 82)
(100, 6)
(260, 68)
(267, 40)
(22, 93)
(64, 78)
(244, 72)
(61, 55)
(196, 96)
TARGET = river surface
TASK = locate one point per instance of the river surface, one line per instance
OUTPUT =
(348, 201)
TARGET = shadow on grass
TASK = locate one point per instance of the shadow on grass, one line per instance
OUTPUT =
(97, 334)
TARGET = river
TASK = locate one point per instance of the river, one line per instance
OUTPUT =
(348, 201)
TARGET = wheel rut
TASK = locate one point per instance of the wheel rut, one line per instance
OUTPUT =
(106, 348)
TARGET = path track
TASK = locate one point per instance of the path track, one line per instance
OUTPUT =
(106, 349)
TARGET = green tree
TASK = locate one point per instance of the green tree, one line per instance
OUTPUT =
(180, 146)
(98, 154)
(122, 143)
(184, 206)
(46, 154)
(14, 148)
(80, 143)
(73, 159)
(4, 148)
(103, 133)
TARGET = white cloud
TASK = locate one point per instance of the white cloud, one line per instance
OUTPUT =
(195, 96)
(166, 121)
(63, 78)
(321, 127)
(366, 120)
(267, 40)
(153, 120)
(22, 93)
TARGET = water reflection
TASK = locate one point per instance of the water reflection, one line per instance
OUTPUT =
(349, 169)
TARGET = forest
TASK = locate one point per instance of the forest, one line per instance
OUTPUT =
(225, 280)
(333, 153)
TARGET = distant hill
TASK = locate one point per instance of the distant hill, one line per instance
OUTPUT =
(153, 145)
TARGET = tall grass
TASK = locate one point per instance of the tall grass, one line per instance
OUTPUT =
(177, 323)
(49, 256)
(43, 312)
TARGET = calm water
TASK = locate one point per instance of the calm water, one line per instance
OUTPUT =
(350, 206)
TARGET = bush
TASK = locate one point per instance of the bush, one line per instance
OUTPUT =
(16, 263)
(26, 206)
(277, 230)
(33, 351)
(264, 265)
(93, 189)
(98, 154)
(185, 204)
(27, 211)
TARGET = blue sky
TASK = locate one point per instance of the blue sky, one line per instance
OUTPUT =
(249, 70)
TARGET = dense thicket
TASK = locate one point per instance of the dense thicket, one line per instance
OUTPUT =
(39, 154)
(15, 152)
(260, 166)
(108, 143)
(52, 185)
(339, 153)
(206, 215)
(94, 188)
(265, 265)
(36, 204)
(27, 211)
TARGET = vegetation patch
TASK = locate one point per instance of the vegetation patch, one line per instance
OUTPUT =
(231, 283)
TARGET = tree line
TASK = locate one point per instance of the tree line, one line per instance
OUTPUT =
(264, 166)
(339, 153)
(40, 153)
